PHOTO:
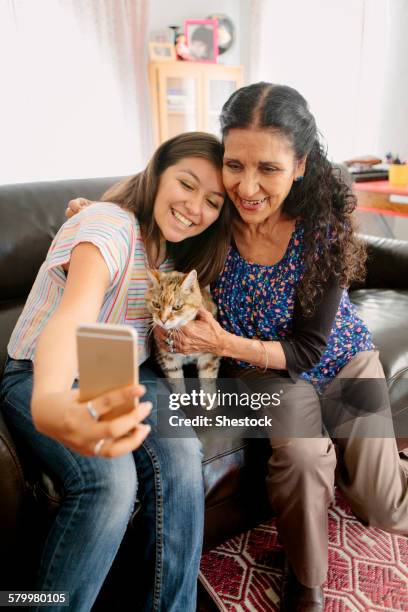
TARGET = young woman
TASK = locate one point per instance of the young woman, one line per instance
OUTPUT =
(283, 307)
(95, 270)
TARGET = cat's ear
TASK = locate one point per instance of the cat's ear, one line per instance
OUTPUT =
(154, 277)
(189, 281)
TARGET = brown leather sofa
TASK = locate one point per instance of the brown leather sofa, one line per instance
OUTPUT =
(234, 469)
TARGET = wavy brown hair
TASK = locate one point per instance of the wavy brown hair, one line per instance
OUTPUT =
(205, 252)
(323, 199)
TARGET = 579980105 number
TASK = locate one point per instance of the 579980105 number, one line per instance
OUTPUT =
(27, 598)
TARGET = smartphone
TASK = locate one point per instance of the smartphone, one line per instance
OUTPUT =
(107, 359)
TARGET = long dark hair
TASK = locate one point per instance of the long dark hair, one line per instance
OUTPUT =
(205, 252)
(323, 200)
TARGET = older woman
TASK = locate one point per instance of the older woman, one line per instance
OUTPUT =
(283, 307)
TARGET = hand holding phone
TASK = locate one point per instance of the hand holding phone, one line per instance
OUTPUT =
(64, 418)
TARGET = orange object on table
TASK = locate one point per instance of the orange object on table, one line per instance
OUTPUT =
(398, 175)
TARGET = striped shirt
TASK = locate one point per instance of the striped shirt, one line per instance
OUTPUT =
(116, 233)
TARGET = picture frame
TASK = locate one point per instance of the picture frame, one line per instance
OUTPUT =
(202, 39)
(162, 52)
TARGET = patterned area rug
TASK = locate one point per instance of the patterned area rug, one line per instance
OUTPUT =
(368, 568)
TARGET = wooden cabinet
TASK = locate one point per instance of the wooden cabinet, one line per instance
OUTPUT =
(188, 96)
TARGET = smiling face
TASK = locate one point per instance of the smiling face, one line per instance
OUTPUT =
(189, 198)
(259, 170)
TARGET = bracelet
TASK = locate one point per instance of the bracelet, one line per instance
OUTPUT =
(266, 355)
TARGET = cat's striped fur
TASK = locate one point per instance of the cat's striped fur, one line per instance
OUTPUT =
(173, 299)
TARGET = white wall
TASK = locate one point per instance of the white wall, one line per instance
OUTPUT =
(386, 100)
(245, 37)
(349, 58)
(393, 130)
(167, 12)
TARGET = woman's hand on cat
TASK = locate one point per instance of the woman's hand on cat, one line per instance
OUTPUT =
(75, 206)
(203, 335)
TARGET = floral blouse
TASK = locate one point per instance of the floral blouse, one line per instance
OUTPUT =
(257, 301)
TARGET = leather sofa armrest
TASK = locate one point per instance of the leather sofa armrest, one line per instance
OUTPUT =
(12, 485)
(387, 263)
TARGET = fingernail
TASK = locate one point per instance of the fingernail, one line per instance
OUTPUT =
(140, 389)
(148, 405)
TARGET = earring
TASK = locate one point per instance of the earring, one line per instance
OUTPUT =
(299, 179)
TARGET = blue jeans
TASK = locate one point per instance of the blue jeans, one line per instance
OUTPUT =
(99, 499)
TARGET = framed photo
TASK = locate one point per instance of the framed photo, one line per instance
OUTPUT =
(160, 51)
(202, 39)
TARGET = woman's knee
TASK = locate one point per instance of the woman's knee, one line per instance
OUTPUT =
(179, 461)
(304, 455)
(301, 471)
(107, 485)
(187, 454)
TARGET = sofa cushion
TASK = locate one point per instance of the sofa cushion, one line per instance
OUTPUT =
(9, 312)
(31, 215)
(385, 311)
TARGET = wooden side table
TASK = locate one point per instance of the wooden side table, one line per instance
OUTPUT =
(376, 197)
(379, 194)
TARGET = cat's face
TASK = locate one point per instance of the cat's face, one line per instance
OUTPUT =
(173, 298)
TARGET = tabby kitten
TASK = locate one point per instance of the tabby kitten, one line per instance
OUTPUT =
(173, 300)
